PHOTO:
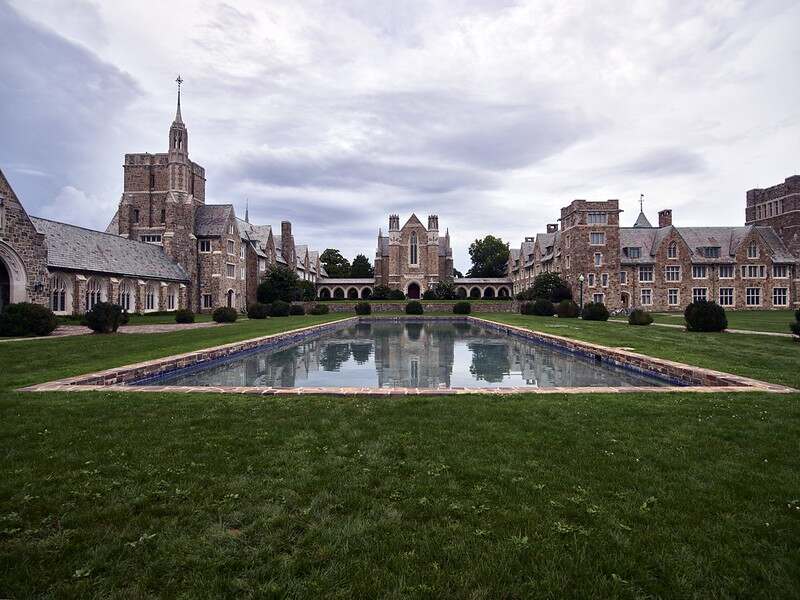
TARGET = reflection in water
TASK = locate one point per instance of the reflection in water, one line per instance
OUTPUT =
(412, 354)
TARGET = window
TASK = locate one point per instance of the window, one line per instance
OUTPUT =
(151, 239)
(726, 271)
(699, 272)
(597, 218)
(206, 300)
(699, 294)
(623, 277)
(752, 250)
(597, 238)
(242, 250)
(591, 280)
(632, 252)
(205, 245)
(163, 215)
(647, 297)
(412, 249)
(58, 293)
(241, 271)
(598, 298)
(604, 279)
(153, 182)
(135, 215)
(672, 250)
(673, 297)
(262, 264)
(753, 296)
(710, 251)
(780, 297)
(598, 259)
(780, 271)
(2, 214)
(231, 247)
(171, 299)
(94, 293)
(754, 271)
(646, 273)
(672, 273)
(125, 296)
(230, 270)
(230, 229)
(726, 296)
(150, 302)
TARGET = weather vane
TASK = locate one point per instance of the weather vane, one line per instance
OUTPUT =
(641, 202)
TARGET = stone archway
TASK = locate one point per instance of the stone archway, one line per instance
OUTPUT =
(413, 291)
(352, 294)
(488, 293)
(325, 294)
(503, 293)
(626, 300)
(13, 279)
(338, 294)
(366, 293)
(475, 293)
(231, 298)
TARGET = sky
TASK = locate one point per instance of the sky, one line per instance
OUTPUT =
(491, 114)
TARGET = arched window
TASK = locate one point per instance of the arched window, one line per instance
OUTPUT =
(127, 300)
(752, 250)
(413, 250)
(151, 297)
(58, 293)
(672, 250)
(172, 298)
(94, 293)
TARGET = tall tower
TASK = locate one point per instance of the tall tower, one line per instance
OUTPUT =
(178, 155)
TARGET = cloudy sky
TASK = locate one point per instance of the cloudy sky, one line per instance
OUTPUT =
(493, 114)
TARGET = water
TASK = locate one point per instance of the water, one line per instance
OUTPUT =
(412, 354)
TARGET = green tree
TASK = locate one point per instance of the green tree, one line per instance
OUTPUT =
(457, 274)
(361, 267)
(280, 283)
(550, 286)
(489, 257)
(335, 264)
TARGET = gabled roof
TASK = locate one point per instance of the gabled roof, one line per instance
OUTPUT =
(780, 251)
(113, 226)
(641, 221)
(78, 249)
(211, 219)
(412, 220)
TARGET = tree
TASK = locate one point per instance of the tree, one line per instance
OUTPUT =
(280, 283)
(444, 290)
(550, 286)
(336, 265)
(457, 274)
(361, 267)
(489, 257)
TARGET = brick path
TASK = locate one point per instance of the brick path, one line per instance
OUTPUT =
(71, 330)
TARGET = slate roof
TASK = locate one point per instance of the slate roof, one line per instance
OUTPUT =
(211, 219)
(78, 249)
(641, 221)
(113, 227)
(781, 253)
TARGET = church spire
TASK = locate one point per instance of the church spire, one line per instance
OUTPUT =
(246, 210)
(178, 118)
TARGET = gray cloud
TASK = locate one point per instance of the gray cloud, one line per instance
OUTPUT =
(664, 162)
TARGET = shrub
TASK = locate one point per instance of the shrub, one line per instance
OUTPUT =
(559, 293)
(104, 317)
(305, 291)
(640, 317)
(414, 308)
(567, 309)
(258, 310)
(319, 309)
(363, 308)
(225, 314)
(795, 327)
(125, 318)
(462, 308)
(280, 283)
(595, 311)
(380, 292)
(27, 319)
(429, 295)
(279, 309)
(541, 307)
(703, 315)
(297, 310)
(184, 315)
(396, 295)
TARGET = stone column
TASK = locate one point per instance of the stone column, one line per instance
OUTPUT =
(79, 298)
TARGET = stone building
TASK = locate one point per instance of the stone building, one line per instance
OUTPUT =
(665, 267)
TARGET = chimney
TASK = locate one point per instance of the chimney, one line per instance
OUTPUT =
(287, 243)
(552, 227)
(665, 217)
(394, 223)
(530, 239)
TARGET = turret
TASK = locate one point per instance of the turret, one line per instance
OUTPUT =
(394, 223)
(178, 155)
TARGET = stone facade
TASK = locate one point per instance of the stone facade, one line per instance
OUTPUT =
(777, 207)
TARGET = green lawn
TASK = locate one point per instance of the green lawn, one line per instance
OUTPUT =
(200, 496)
(144, 319)
(753, 320)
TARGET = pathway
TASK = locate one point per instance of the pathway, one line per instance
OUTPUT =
(72, 330)
(745, 331)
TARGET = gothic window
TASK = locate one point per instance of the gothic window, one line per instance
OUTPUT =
(126, 296)
(171, 298)
(163, 215)
(752, 250)
(152, 180)
(413, 249)
(672, 250)
(135, 215)
(94, 293)
(58, 293)
(151, 297)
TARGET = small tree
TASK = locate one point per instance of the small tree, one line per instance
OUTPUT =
(551, 286)
(703, 315)
(489, 257)
(305, 291)
(363, 308)
(414, 308)
(462, 308)
(257, 310)
(184, 315)
(225, 314)
(444, 290)
(335, 264)
(104, 317)
(595, 311)
(567, 309)
(279, 308)
(280, 283)
(361, 267)
(640, 317)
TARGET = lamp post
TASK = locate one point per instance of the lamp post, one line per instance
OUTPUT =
(580, 278)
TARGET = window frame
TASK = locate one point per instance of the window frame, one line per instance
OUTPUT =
(696, 296)
(702, 268)
(672, 269)
(747, 296)
(647, 268)
(785, 291)
(649, 292)
(726, 267)
(602, 235)
(206, 301)
(732, 296)
(201, 243)
(673, 292)
(230, 268)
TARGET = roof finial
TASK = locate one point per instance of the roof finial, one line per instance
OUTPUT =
(641, 202)
(246, 210)
(178, 119)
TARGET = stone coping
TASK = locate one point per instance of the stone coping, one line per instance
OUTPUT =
(684, 378)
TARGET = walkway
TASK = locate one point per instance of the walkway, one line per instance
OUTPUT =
(745, 331)
(73, 330)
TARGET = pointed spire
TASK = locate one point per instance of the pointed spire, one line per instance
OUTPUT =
(178, 119)
(246, 210)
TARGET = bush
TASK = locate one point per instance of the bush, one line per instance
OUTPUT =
(396, 295)
(703, 315)
(595, 311)
(125, 318)
(567, 309)
(27, 319)
(184, 315)
(462, 308)
(280, 283)
(297, 310)
(363, 308)
(429, 295)
(319, 309)
(257, 310)
(559, 293)
(305, 291)
(640, 317)
(104, 317)
(279, 309)
(541, 307)
(795, 327)
(380, 292)
(414, 308)
(225, 314)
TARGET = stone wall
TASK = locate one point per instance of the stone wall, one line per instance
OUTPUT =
(388, 306)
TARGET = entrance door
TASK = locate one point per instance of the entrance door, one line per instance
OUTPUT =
(230, 298)
(5, 286)
(413, 291)
(626, 300)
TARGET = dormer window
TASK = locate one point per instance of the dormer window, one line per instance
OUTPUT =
(632, 252)
(672, 250)
(752, 250)
(710, 251)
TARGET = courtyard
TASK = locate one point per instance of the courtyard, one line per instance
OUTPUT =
(194, 495)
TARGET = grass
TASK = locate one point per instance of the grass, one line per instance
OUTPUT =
(776, 321)
(197, 496)
(143, 319)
